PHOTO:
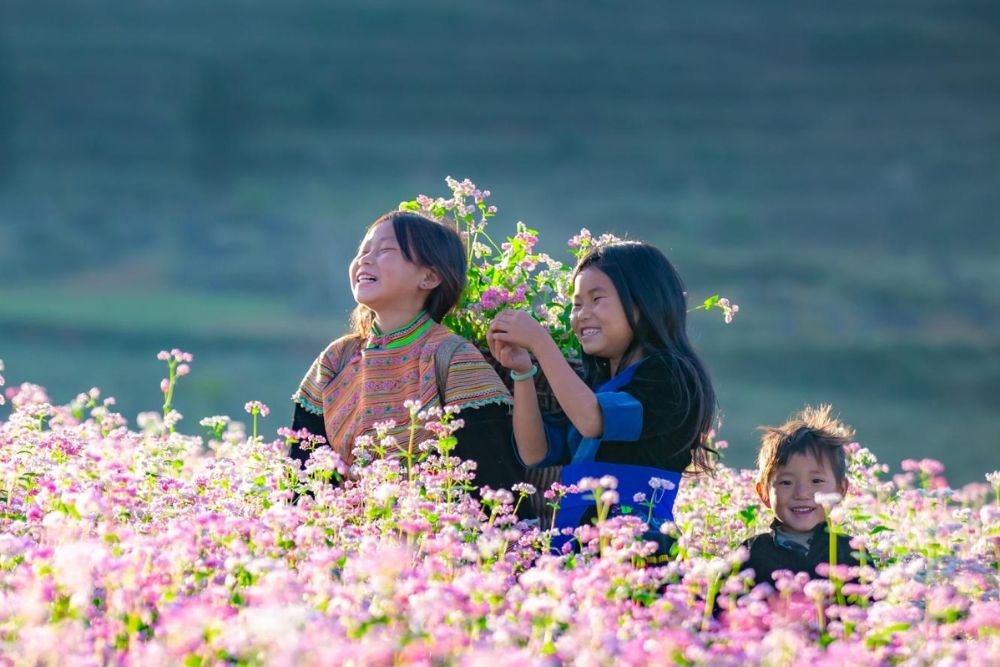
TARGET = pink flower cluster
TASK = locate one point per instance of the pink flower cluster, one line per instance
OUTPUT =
(136, 547)
(495, 298)
(257, 408)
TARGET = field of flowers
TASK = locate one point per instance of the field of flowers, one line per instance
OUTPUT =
(148, 545)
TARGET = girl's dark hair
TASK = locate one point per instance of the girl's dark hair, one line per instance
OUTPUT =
(655, 303)
(430, 244)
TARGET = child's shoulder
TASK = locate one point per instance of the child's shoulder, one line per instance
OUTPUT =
(760, 539)
(656, 361)
(442, 342)
(345, 345)
(662, 368)
(323, 369)
(334, 357)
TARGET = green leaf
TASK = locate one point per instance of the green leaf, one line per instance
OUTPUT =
(748, 514)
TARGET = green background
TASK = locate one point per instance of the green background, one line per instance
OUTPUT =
(198, 174)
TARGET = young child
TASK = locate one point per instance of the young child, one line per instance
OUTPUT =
(800, 460)
(645, 406)
(408, 273)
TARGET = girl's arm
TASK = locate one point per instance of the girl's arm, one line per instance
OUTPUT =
(575, 397)
(529, 431)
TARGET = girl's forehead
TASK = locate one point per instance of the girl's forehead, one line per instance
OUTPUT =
(592, 278)
(381, 231)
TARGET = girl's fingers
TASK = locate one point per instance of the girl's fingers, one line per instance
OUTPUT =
(495, 346)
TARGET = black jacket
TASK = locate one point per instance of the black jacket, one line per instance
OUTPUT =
(766, 556)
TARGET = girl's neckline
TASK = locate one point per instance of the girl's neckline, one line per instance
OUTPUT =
(621, 369)
(401, 336)
(622, 377)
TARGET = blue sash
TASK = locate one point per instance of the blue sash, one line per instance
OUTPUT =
(631, 480)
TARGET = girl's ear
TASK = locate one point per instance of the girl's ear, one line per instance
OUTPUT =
(763, 494)
(843, 487)
(430, 280)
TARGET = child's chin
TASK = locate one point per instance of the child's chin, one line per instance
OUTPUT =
(801, 525)
(361, 298)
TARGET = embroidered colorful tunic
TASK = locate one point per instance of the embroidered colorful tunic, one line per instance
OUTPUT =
(353, 395)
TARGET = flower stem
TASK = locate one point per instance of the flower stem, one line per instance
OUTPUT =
(171, 380)
(713, 591)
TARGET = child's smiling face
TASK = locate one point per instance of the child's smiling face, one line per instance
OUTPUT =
(383, 279)
(598, 317)
(791, 491)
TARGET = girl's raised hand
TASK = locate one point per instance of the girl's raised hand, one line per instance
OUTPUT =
(517, 327)
(510, 356)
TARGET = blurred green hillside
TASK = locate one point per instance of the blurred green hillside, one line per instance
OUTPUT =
(198, 174)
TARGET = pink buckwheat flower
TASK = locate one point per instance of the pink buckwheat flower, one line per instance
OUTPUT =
(256, 407)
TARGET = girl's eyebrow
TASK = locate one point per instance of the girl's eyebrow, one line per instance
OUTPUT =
(374, 241)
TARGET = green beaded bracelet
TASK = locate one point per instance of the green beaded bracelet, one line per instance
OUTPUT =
(518, 377)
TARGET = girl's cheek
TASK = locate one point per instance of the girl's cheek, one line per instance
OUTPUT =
(614, 314)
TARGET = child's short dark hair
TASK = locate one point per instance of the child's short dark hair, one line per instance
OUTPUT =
(809, 431)
(428, 243)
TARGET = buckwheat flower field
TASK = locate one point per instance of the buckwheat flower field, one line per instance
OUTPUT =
(149, 544)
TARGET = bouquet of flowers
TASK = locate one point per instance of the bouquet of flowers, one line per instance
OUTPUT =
(513, 274)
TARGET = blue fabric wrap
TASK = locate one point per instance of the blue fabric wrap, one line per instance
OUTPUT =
(622, 416)
(631, 480)
(555, 438)
(620, 412)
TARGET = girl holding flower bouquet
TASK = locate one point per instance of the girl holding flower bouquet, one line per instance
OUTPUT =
(645, 407)
(408, 273)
